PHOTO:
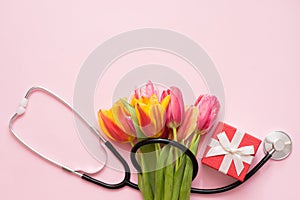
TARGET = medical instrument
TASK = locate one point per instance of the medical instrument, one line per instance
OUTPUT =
(126, 180)
(277, 146)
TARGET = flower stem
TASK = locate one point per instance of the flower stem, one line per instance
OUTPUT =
(175, 134)
(188, 171)
(194, 139)
(169, 174)
(159, 173)
(157, 150)
(186, 183)
(175, 151)
(143, 182)
(195, 143)
(178, 176)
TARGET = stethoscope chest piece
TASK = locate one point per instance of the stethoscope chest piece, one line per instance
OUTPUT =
(279, 143)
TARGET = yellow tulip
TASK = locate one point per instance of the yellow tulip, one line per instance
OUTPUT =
(151, 114)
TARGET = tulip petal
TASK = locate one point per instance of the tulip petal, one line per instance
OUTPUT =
(150, 90)
(144, 100)
(157, 114)
(189, 123)
(154, 100)
(209, 107)
(204, 113)
(142, 112)
(151, 123)
(214, 112)
(133, 101)
(133, 114)
(176, 107)
(163, 95)
(122, 118)
(101, 115)
(198, 100)
(165, 102)
(136, 94)
(111, 129)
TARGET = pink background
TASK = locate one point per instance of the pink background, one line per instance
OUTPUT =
(255, 47)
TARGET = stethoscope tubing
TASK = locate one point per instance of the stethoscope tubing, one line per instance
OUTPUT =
(127, 174)
(226, 188)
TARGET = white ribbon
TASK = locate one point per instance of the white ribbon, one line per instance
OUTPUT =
(223, 146)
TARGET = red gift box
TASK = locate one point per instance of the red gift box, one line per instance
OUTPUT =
(231, 151)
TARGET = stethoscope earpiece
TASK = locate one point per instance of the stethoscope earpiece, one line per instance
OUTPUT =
(279, 144)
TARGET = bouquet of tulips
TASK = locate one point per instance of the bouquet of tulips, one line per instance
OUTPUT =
(150, 114)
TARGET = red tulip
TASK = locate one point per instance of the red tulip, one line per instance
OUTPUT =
(116, 123)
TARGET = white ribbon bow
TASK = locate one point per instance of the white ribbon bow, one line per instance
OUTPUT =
(222, 146)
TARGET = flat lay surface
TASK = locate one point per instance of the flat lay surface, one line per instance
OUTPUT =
(255, 48)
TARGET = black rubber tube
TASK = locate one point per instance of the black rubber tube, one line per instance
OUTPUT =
(183, 148)
(126, 179)
(235, 184)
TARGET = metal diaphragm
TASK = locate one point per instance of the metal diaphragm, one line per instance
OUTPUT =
(280, 143)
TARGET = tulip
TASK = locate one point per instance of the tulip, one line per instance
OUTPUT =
(146, 91)
(189, 124)
(175, 109)
(209, 107)
(151, 114)
(116, 123)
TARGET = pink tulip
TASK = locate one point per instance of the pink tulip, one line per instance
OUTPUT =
(146, 91)
(189, 124)
(209, 107)
(175, 110)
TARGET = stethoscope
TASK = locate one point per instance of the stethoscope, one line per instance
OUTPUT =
(277, 146)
